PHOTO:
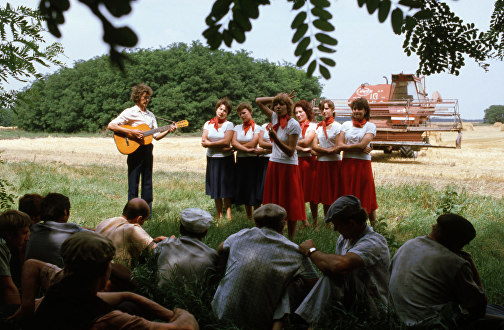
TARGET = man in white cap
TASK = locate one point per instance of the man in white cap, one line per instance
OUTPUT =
(187, 255)
(358, 270)
(262, 264)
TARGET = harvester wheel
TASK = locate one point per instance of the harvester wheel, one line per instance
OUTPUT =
(387, 151)
(407, 152)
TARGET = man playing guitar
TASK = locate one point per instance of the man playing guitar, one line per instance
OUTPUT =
(140, 161)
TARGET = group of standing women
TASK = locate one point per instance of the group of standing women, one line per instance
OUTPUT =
(289, 162)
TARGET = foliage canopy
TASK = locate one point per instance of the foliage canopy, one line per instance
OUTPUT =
(187, 81)
(431, 29)
(495, 113)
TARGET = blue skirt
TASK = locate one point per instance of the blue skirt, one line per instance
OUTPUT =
(219, 182)
(246, 179)
(261, 176)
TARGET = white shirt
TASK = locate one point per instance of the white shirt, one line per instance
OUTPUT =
(292, 128)
(355, 135)
(244, 138)
(266, 138)
(134, 116)
(332, 132)
(311, 127)
(215, 135)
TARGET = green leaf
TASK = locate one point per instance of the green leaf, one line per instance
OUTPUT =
(326, 39)
(123, 36)
(300, 32)
(304, 58)
(411, 3)
(361, 2)
(301, 47)
(410, 23)
(372, 5)
(237, 32)
(322, 13)
(298, 4)
(250, 8)
(323, 25)
(298, 20)
(242, 20)
(325, 49)
(227, 37)
(118, 8)
(320, 3)
(423, 14)
(324, 71)
(220, 8)
(328, 61)
(383, 10)
(397, 20)
(311, 68)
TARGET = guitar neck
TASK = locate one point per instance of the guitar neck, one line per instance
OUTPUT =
(157, 130)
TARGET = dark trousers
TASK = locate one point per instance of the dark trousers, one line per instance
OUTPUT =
(140, 165)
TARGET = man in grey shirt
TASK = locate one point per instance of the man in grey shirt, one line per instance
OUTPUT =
(430, 273)
(262, 263)
(187, 255)
(357, 270)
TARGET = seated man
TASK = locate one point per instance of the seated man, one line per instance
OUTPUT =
(187, 255)
(357, 271)
(30, 204)
(48, 235)
(431, 272)
(14, 233)
(126, 231)
(76, 303)
(261, 265)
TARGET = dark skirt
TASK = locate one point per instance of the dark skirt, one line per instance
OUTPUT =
(357, 179)
(220, 177)
(283, 187)
(261, 176)
(246, 177)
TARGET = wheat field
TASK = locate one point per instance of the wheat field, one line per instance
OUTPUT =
(477, 166)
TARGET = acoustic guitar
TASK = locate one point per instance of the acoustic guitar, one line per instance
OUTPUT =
(127, 145)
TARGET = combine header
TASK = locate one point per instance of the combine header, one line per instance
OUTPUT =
(403, 113)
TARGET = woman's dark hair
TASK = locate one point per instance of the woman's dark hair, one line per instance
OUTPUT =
(283, 98)
(244, 105)
(226, 103)
(307, 108)
(138, 90)
(361, 103)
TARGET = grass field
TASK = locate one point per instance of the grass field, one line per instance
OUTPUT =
(410, 194)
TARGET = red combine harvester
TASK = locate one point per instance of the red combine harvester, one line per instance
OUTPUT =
(403, 113)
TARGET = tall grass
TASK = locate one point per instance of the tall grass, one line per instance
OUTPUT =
(99, 192)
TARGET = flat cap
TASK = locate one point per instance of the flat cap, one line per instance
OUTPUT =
(87, 247)
(270, 211)
(344, 206)
(195, 220)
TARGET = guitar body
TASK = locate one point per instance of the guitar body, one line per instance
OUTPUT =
(127, 145)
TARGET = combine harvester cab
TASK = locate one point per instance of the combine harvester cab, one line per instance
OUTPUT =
(403, 113)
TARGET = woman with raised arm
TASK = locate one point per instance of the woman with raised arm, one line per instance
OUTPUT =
(356, 172)
(217, 136)
(283, 179)
(245, 138)
(303, 111)
(328, 159)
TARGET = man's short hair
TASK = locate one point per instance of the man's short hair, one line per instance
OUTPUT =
(453, 230)
(271, 216)
(133, 209)
(345, 209)
(30, 204)
(87, 254)
(53, 207)
(12, 220)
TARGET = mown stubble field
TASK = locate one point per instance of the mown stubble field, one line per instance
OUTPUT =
(478, 166)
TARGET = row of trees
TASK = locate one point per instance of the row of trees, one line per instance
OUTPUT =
(495, 113)
(187, 81)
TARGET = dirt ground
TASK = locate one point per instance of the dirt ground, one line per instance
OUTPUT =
(478, 165)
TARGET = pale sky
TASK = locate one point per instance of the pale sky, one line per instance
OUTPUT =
(366, 50)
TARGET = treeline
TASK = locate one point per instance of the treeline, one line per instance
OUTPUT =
(187, 81)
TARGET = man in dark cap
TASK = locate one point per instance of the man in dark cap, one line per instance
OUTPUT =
(358, 270)
(187, 255)
(261, 265)
(76, 303)
(429, 274)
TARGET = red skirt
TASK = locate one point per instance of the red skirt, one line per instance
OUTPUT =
(357, 179)
(308, 169)
(283, 187)
(328, 182)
